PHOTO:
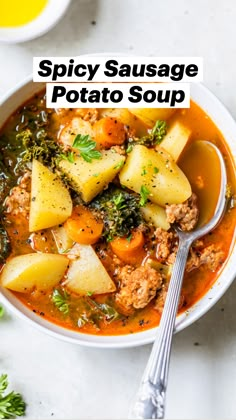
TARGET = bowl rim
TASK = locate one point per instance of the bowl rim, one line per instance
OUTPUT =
(50, 15)
(184, 319)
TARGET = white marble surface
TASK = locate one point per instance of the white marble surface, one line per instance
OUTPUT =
(66, 381)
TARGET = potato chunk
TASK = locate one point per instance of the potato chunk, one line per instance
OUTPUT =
(87, 274)
(63, 242)
(150, 115)
(26, 272)
(90, 178)
(156, 215)
(176, 139)
(158, 172)
(51, 203)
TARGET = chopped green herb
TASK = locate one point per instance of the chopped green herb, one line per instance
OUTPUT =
(89, 293)
(144, 192)
(119, 201)
(65, 251)
(96, 175)
(129, 148)
(144, 172)
(12, 404)
(70, 157)
(3, 383)
(95, 313)
(129, 237)
(85, 145)
(110, 313)
(103, 311)
(156, 170)
(60, 301)
(2, 311)
(119, 165)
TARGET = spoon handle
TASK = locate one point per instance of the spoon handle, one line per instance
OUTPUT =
(150, 402)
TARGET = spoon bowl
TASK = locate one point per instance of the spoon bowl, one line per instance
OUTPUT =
(150, 402)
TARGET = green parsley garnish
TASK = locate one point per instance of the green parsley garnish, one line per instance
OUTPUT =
(60, 301)
(85, 145)
(129, 148)
(70, 157)
(129, 238)
(156, 170)
(144, 171)
(119, 201)
(119, 165)
(109, 312)
(65, 251)
(102, 311)
(12, 404)
(2, 311)
(144, 192)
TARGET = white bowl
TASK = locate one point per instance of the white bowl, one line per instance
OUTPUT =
(51, 14)
(218, 113)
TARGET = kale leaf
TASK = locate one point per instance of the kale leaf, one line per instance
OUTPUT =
(119, 210)
(40, 147)
(155, 136)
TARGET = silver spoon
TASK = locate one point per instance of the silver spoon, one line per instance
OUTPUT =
(150, 400)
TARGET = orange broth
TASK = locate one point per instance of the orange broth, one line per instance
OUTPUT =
(196, 283)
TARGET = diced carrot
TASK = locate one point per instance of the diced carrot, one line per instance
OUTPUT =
(129, 250)
(109, 132)
(83, 227)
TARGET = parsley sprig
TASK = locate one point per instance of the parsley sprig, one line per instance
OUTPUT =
(86, 148)
(12, 404)
(60, 300)
(85, 145)
(144, 193)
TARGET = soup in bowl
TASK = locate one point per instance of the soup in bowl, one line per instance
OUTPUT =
(90, 199)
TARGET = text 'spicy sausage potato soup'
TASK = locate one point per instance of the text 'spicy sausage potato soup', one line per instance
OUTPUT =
(89, 199)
